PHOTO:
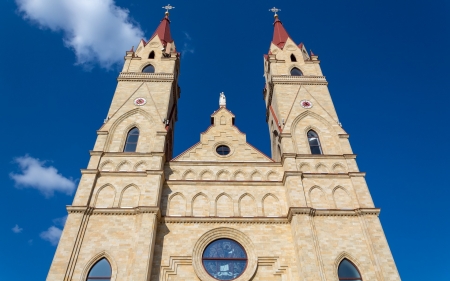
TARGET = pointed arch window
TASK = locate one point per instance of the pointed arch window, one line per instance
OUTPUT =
(132, 140)
(293, 58)
(348, 271)
(314, 142)
(100, 271)
(152, 55)
(296, 72)
(149, 69)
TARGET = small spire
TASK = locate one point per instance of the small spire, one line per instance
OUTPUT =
(132, 49)
(222, 100)
(163, 30)
(280, 34)
(312, 54)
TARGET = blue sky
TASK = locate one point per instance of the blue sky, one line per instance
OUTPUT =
(386, 63)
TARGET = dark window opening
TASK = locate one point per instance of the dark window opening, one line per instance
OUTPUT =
(152, 55)
(100, 271)
(224, 259)
(296, 72)
(223, 150)
(348, 271)
(314, 142)
(149, 69)
(293, 58)
(132, 140)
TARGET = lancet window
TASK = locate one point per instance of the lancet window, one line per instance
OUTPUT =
(293, 58)
(101, 271)
(296, 72)
(348, 271)
(149, 69)
(314, 142)
(152, 55)
(132, 140)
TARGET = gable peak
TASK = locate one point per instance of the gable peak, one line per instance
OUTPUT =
(163, 31)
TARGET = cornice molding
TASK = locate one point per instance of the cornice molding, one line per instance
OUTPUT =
(146, 77)
(115, 211)
(293, 211)
(209, 163)
(325, 156)
(239, 220)
(299, 80)
(226, 182)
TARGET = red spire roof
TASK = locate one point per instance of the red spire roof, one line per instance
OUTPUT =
(280, 34)
(163, 31)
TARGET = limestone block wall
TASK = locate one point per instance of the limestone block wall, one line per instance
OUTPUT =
(204, 199)
(271, 243)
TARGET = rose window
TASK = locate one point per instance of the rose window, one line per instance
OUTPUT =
(224, 259)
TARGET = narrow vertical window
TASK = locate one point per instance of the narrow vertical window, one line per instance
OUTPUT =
(152, 55)
(348, 271)
(100, 271)
(314, 142)
(132, 140)
(296, 72)
(293, 58)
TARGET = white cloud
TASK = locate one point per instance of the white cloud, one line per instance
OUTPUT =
(17, 229)
(187, 48)
(60, 221)
(97, 30)
(52, 235)
(45, 179)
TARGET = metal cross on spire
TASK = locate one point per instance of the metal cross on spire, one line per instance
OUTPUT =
(275, 10)
(168, 7)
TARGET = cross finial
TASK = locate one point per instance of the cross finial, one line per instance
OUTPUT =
(275, 10)
(168, 7)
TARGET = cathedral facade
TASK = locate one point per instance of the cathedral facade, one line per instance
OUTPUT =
(222, 210)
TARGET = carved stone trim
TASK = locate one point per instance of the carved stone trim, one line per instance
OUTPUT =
(123, 174)
(331, 212)
(115, 211)
(146, 77)
(234, 220)
(302, 80)
(321, 156)
(224, 182)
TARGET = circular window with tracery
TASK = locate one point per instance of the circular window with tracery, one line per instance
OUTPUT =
(224, 259)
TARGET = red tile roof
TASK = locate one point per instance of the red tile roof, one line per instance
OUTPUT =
(280, 34)
(163, 31)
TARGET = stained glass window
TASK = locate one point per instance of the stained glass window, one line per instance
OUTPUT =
(100, 271)
(224, 259)
(132, 140)
(314, 142)
(348, 271)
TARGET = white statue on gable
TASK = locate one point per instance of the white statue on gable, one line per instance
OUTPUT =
(222, 100)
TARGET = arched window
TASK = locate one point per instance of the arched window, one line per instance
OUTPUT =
(293, 58)
(100, 271)
(296, 72)
(314, 142)
(348, 271)
(152, 55)
(149, 69)
(132, 140)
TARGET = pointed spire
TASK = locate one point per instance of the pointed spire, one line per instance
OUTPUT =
(163, 30)
(280, 34)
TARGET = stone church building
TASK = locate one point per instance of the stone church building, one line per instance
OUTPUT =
(222, 210)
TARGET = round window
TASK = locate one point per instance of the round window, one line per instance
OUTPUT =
(224, 259)
(223, 150)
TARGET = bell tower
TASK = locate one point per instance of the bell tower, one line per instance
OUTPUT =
(325, 190)
(113, 219)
